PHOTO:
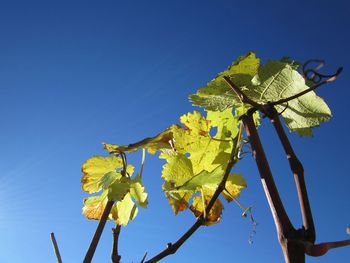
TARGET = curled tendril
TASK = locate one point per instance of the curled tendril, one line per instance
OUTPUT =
(312, 74)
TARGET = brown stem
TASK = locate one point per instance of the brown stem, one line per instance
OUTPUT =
(298, 171)
(115, 255)
(293, 252)
(281, 218)
(172, 248)
(101, 224)
(317, 250)
(55, 246)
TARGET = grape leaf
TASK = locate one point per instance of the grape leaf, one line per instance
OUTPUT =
(225, 122)
(205, 152)
(119, 189)
(204, 179)
(217, 95)
(158, 142)
(178, 201)
(124, 211)
(138, 192)
(176, 171)
(267, 83)
(199, 204)
(233, 187)
(95, 168)
(108, 179)
(95, 205)
(199, 160)
(277, 80)
(106, 173)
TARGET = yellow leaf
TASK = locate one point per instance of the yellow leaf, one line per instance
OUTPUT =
(95, 168)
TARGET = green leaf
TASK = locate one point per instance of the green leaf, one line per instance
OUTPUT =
(217, 95)
(277, 80)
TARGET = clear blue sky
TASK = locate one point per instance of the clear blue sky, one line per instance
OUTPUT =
(74, 74)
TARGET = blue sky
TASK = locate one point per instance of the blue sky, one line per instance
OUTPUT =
(74, 74)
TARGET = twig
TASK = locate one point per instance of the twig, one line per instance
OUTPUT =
(55, 246)
(115, 255)
(101, 224)
(172, 248)
(144, 257)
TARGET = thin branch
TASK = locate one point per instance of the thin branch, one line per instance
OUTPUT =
(101, 224)
(55, 246)
(115, 255)
(172, 248)
(144, 257)
(298, 171)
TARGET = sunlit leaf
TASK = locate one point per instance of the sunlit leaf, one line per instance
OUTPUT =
(124, 211)
(137, 191)
(233, 187)
(217, 95)
(95, 168)
(214, 215)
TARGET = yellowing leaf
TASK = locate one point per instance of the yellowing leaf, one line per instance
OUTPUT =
(94, 206)
(177, 201)
(233, 187)
(205, 152)
(95, 168)
(215, 213)
(119, 189)
(108, 179)
(124, 211)
(158, 142)
(225, 122)
(178, 169)
(209, 180)
(138, 192)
